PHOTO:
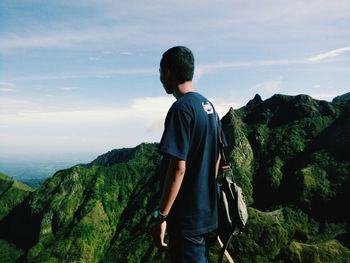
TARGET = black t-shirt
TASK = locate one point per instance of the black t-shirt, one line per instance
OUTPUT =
(190, 134)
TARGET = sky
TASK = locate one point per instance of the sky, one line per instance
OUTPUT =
(80, 78)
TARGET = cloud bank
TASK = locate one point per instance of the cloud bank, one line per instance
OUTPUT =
(330, 54)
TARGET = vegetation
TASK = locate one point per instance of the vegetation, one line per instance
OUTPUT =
(8, 252)
(290, 154)
(300, 175)
(11, 194)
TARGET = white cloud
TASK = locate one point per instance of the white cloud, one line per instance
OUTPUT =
(9, 107)
(156, 126)
(149, 112)
(143, 110)
(63, 35)
(103, 76)
(157, 22)
(93, 58)
(325, 95)
(269, 87)
(6, 84)
(107, 52)
(126, 53)
(78, 75)
(204, 69)
(244, 34)
(53, 76)
(33, 127)
(330, 54)
(7, 87)
(67, 88)
(222, 106)
(37, 128)
(200, 70)
(53, 38)
(7, 90)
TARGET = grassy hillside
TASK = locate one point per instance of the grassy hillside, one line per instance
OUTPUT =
(75, 214)
(12, 193)
(290, 154)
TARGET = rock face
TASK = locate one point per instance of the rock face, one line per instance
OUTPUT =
(290, 154)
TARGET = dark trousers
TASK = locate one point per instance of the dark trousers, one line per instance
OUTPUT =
(187, 248)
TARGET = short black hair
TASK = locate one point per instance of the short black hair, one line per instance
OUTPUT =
(179, 61)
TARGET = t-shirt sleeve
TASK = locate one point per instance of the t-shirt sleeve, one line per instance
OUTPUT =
(176, 137)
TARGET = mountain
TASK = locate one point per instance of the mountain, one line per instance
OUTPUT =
(78, 213)
(290, 154)
(12, 193)
(32, 171)
(34, 183)
(345, 97)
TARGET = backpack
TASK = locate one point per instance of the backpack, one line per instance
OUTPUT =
(232, 209)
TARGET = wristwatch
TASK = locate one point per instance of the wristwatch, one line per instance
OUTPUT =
(157, 215)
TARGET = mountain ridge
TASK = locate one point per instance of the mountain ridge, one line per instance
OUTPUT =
(12, 192)
(290, 155)
(342, 98)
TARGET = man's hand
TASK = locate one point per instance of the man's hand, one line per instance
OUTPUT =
(159, 234)
(172, 184)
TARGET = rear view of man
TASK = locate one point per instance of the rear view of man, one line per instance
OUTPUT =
(188, 206)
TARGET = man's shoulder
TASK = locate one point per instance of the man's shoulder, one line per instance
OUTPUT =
(193, 103)
(190, 99)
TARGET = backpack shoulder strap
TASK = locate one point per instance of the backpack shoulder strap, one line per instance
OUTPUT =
(224, 251)
(219, 132)
(225, 165)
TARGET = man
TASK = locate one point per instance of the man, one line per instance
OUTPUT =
(188, 206)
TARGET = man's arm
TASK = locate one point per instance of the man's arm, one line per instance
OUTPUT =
(172, 184)
(171, 188)
(217, 167)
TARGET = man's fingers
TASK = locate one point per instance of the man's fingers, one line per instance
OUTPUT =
(159, 235)
(163, 244)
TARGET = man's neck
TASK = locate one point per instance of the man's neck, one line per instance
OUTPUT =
(182, 89)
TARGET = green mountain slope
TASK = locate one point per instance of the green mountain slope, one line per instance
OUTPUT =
(12, 193)
(74, 215)
(345, 97)
(290, 154)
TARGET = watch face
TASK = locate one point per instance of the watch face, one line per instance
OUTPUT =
(155, 214)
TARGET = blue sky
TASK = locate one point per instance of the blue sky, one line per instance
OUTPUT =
(81, 77)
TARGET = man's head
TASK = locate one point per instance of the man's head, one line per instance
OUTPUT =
(176, 66)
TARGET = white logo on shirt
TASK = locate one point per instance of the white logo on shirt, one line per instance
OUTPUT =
(207, 107)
